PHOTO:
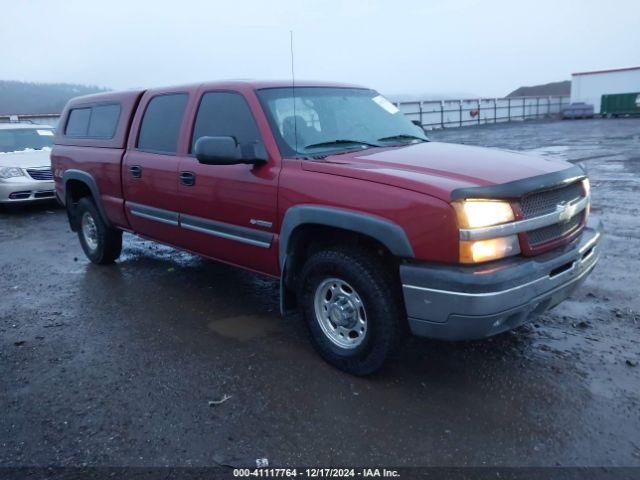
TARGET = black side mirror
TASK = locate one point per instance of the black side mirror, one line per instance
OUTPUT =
(227, 151)
(217, 151)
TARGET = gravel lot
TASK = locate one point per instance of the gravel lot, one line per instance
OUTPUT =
(117, 365)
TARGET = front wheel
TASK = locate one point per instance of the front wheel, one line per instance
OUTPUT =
(101, 244)
(352, 307)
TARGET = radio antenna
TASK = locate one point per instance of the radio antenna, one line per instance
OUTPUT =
(293, 90)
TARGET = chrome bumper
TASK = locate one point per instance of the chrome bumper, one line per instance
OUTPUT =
(462, 303)
(23, 189)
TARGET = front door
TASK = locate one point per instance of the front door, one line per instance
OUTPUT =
(150, 169)
(228, 212)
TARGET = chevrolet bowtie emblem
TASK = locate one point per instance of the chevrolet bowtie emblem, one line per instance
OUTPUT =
(566, 211)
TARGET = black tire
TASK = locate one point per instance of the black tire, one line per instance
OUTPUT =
(379, 289)
(108, 241)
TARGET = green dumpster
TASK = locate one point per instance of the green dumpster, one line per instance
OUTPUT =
(616, 104)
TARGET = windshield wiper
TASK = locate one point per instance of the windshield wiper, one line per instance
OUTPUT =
(339, 142)
(402, 136)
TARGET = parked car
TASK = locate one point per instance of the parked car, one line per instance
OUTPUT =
(25, 167)
(371, 228)
(577, 110)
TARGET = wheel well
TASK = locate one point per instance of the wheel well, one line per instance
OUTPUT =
(307, 239)
(74, 191)
(77, 189)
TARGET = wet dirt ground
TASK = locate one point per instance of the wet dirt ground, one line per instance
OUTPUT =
(117, 365)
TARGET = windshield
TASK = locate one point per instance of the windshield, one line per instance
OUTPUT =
(328, 120)
(18, 139)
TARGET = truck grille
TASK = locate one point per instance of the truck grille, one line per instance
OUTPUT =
(540, 203)
(40, 173)
(552, 232)
(543, 202)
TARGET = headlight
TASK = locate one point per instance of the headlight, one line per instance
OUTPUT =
(478, 213)
(8, 172)
(475, 251)
(482, 213)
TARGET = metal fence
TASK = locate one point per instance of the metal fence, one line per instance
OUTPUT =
(40, 118)
(433, 114)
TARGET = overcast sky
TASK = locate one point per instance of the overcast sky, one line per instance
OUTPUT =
(435, 48)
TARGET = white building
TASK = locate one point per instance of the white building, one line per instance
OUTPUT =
(590, 86)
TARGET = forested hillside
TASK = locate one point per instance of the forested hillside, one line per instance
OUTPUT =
(24, 97)
(554, 88)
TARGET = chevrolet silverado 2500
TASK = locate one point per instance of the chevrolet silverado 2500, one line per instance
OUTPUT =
(372, 229)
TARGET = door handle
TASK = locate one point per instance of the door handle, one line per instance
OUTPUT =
(136, 171)
(188, 179)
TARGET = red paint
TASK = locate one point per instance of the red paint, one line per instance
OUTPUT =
(407, 185)
(231, 194)
(595, 72)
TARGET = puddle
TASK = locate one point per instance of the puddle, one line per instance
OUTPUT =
(136, 248)
(246, 327)
(557, 151)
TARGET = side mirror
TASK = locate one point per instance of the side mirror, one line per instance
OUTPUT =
(227, 151)
(217, 150)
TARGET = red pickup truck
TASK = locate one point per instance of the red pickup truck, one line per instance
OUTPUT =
(372, 229)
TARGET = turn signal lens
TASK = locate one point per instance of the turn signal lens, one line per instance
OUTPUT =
(482, 213)
(484, 250)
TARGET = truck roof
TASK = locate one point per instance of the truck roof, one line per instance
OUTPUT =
(247, 84)
(104, 97)
(259, 84)
(226, 84)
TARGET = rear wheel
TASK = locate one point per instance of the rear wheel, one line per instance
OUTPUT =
(352, 307)
(101, 244)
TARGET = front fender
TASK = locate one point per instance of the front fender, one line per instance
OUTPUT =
(384, 231)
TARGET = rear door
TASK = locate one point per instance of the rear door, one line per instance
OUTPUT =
(150, 166)
(228, 212)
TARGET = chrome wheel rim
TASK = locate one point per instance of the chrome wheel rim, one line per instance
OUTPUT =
(340, 313)
(89, 231)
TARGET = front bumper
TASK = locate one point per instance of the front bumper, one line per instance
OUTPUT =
(24, 189)
(464, 303)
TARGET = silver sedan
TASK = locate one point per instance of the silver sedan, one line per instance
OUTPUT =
(25, 166)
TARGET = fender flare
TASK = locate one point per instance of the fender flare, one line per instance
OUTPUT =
(389, 234)
(89, 181)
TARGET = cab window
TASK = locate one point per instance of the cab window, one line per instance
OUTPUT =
(98, 121)
(160, 127)
(225, 114)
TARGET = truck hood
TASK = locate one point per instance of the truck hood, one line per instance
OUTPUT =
(436, 168)
(26, 158)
